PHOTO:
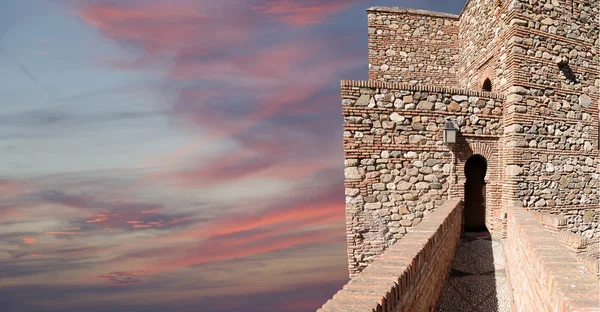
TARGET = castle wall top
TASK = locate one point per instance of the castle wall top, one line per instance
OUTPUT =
(411, 11)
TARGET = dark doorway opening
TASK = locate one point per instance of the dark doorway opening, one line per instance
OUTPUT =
(487, 85)
(475, 170)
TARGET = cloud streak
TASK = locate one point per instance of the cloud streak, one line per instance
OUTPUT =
(303, 12)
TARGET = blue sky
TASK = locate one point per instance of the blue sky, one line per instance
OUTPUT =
(176, 155)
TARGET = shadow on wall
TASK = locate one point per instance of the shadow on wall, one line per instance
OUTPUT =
(568, 72)
(477, 280)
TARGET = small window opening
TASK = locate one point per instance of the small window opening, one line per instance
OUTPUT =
(487, 85)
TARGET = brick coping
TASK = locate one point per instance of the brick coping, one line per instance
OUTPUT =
(419, 12)
(411, 11)
(562, 278)
(375, 84)
(387, 282)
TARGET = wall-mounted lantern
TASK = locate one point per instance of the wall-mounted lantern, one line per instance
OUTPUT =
(450, 132)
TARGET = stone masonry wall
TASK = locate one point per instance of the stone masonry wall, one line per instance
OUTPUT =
(483, 33)
(552, 108)
(397, 168)
(412, 46)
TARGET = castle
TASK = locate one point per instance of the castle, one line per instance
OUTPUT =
(519, 79)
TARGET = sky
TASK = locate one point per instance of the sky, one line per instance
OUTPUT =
(176, 155)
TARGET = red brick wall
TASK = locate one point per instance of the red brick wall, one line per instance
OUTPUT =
(544, 275)
(410, 275)
(412, 46)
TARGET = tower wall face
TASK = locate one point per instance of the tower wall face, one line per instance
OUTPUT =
(551, 116)
(408, 46)
(482, 38)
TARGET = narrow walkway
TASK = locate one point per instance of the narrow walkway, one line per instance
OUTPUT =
(477, 281)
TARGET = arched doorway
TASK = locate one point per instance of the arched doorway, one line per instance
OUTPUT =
(475, 170)
(487, 85)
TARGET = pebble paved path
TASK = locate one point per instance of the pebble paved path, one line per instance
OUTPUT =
(477, 281)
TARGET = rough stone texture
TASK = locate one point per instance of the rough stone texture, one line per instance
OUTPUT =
(407, 168)
(412, 47)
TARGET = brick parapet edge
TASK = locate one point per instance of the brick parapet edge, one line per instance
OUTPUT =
(544, 274)
(377, 84)
(408, 276)
(411, 11)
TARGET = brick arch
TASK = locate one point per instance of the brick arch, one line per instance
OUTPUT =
(488, 149)
(467, 149)
(487, 73)
(482, 149)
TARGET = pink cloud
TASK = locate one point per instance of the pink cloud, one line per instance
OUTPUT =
(322, 205)
(287, 228)
(160, 27)
(62, 233)
(29, 240)
(141, 226)
(11, 187)
(144, 24)
(134, 222)
(45, 40)
(319, 220)
(303, 12)
(298, 214)
(214, 252)
(96, 220)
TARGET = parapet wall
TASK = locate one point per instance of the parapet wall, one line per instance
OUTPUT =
(410, 275)
(397, 168)
(412, 46)
(544, 275)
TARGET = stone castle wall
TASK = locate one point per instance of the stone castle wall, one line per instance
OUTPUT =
(397, 168)
(412, 46)
(482, 38)
(538, 131)
(552, 110)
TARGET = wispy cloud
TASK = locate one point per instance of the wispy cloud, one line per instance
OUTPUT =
(303, 12)
(259, 78)
(121, 278)
(63, 233)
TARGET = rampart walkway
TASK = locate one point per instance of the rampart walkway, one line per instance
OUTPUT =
(477, 280)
